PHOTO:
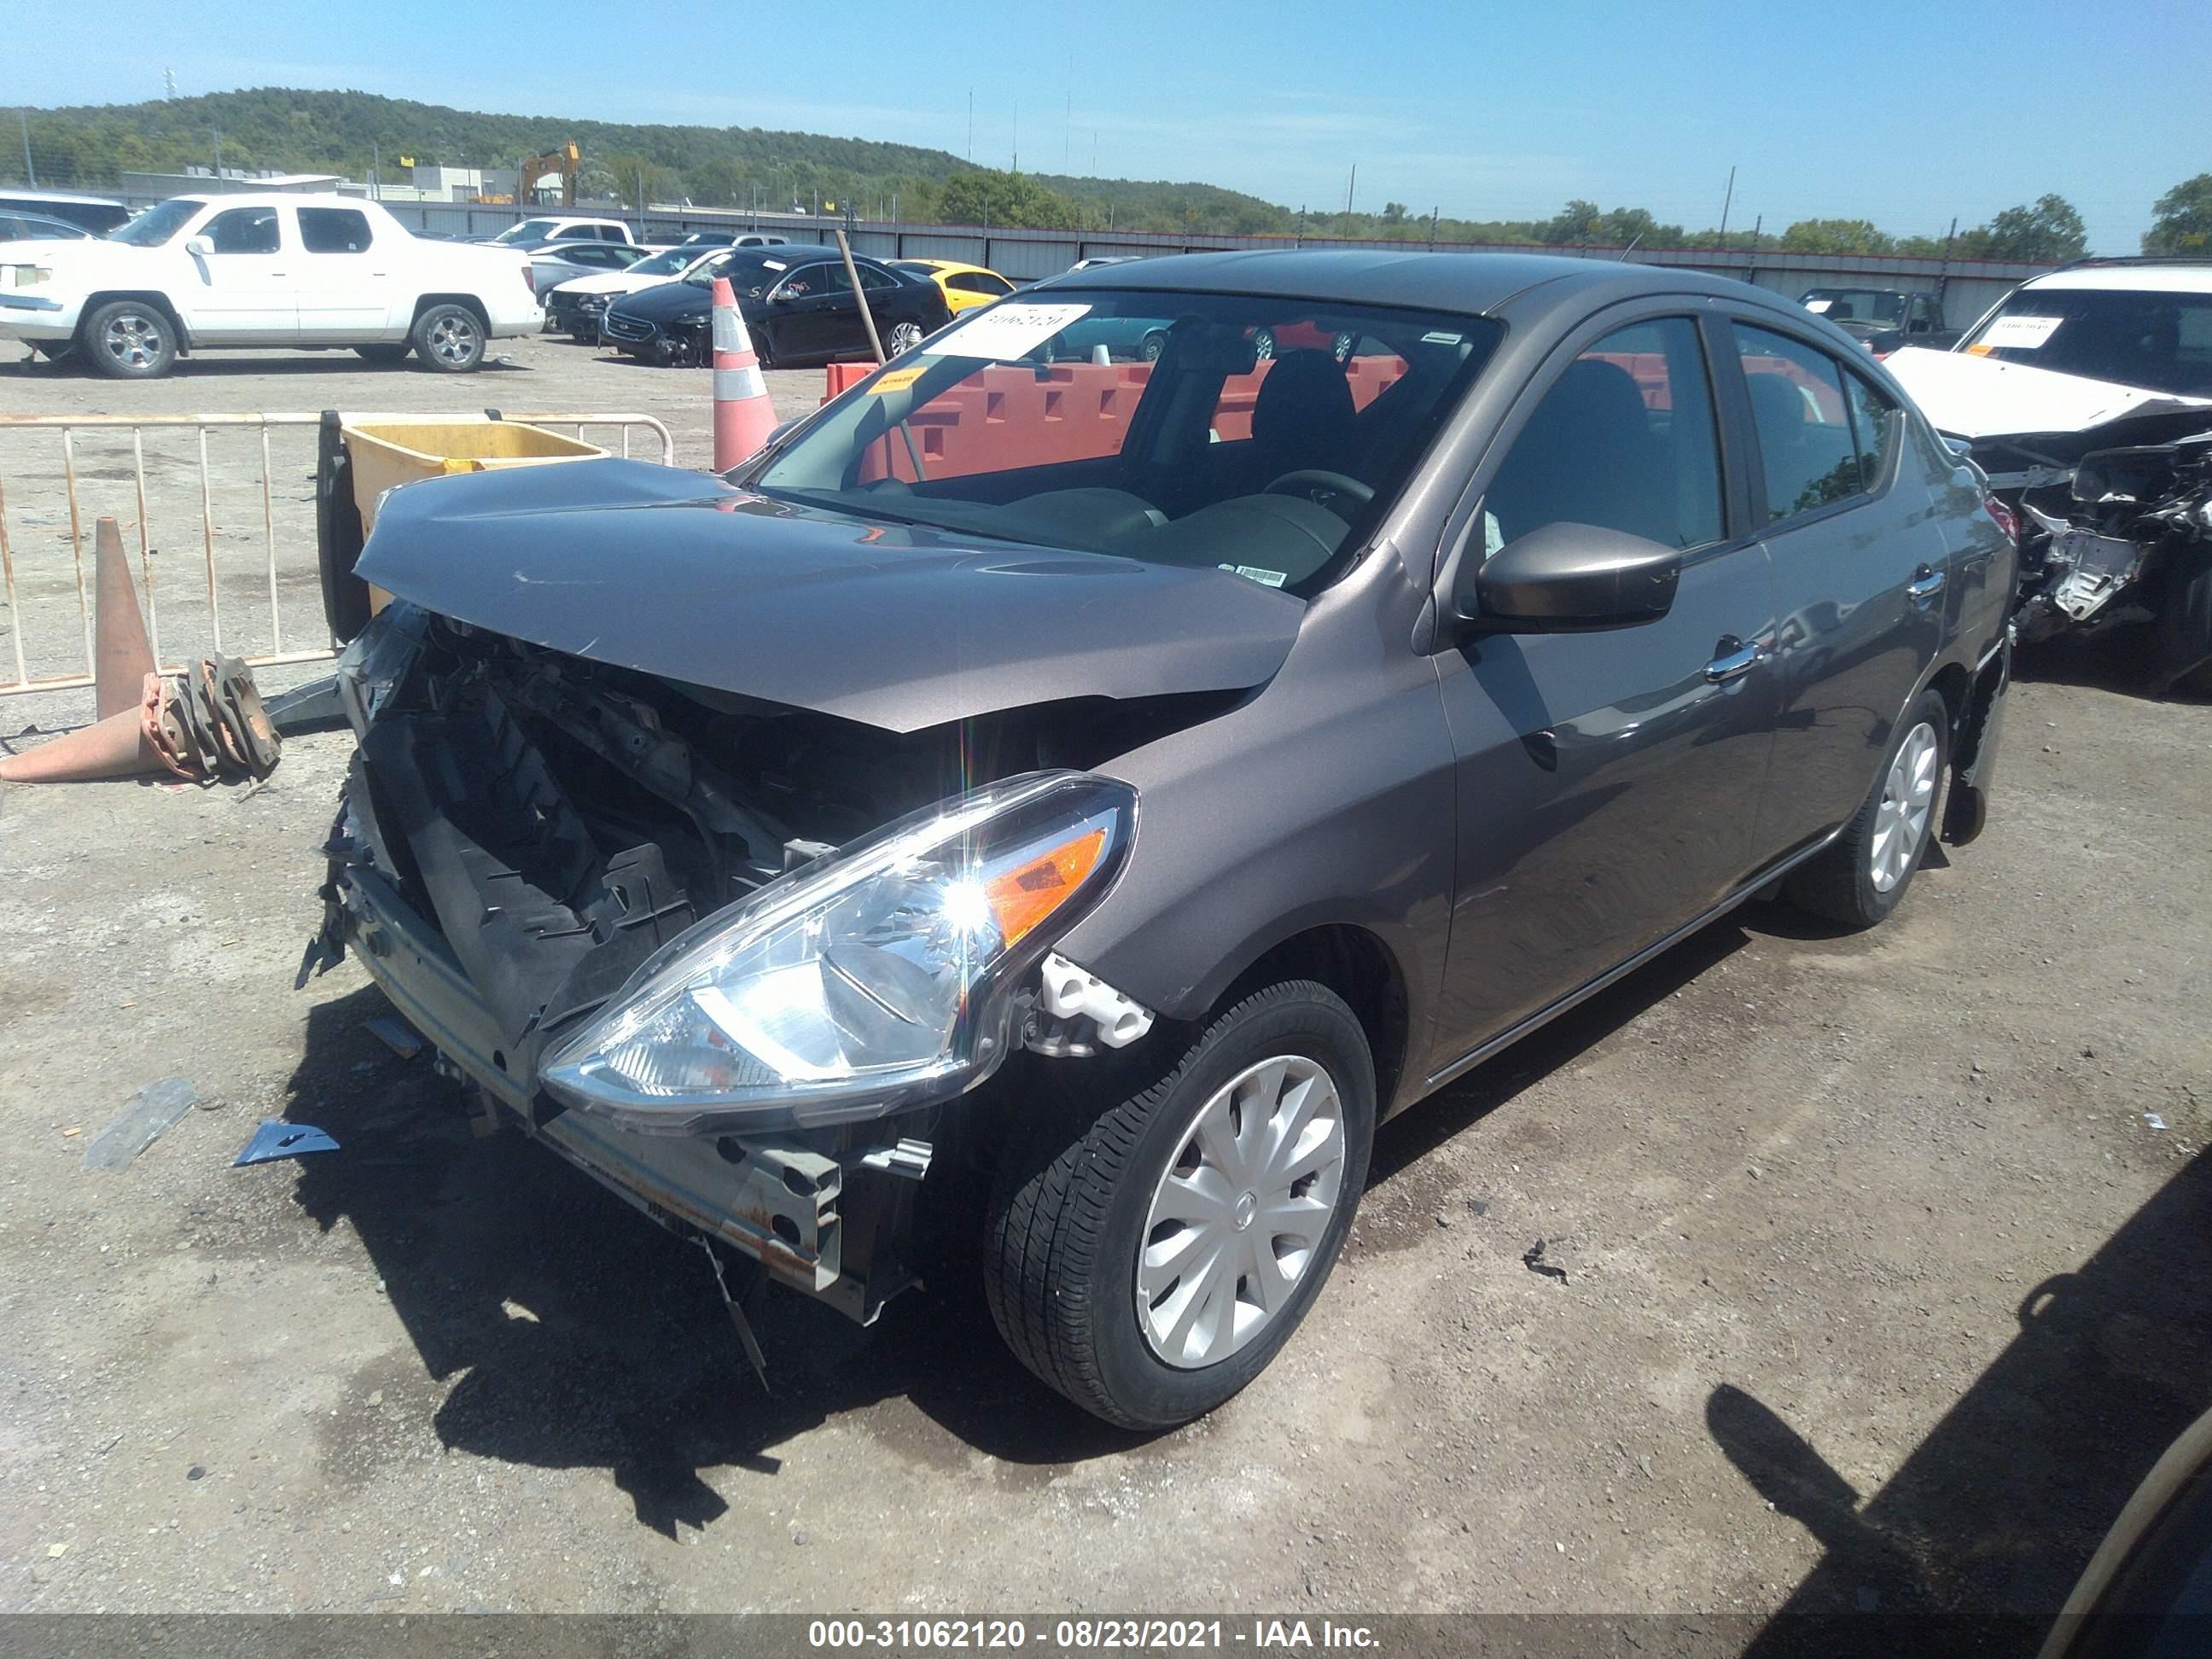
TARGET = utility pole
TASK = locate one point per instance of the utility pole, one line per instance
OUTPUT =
(25, 117)
(1726, 201)
(218, 153)
(1433, 228)
(1301, 240)
(1017, 135)
(1349, 188)
(375, 171)
(1750, 270)
(1943, 270)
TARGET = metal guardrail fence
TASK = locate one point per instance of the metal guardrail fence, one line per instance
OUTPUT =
(137, 425)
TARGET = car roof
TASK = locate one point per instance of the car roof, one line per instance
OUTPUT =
(16, 194)
(2176, 278)
(1471, 282)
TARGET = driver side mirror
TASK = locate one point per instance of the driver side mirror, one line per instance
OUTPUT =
(199, 246)
(1568, 578)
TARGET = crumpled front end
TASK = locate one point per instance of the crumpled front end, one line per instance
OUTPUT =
(2125, 536)
(687, 939)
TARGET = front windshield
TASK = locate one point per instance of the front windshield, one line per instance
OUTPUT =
(158, 223)
(670, 263)
(1263, 436)
(1856, 305)
(2160, 340)
(530, 230)
(750, 275)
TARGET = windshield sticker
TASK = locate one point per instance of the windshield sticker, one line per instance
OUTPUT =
(1006, 332)
(897, 379)
(1817, 306)
(776, 264)
(2021, 334)
(1440, 336)
(1253, 573)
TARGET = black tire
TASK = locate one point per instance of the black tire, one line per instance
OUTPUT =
(450, 339)
(1066, 1218)
(1154, 343)
(1263, 344)
(129, 340)
(2183, 633)
(384, 355)
(1839, 886)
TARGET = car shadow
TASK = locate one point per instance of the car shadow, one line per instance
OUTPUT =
(333, 359)
(576, 1332)
(1995, 1513)
(2118, 660)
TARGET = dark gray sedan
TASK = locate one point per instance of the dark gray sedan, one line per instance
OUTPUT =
(1049, 814)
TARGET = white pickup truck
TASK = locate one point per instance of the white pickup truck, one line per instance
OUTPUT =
(192, 273)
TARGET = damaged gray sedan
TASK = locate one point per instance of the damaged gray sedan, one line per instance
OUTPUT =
(1050, 813)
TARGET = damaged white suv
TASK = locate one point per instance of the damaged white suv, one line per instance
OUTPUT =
(2086, 396)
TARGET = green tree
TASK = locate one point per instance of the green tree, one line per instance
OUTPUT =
(1835, 236)
(985, 195)
(2182, 220)
(2046, 233)
(1577, 221)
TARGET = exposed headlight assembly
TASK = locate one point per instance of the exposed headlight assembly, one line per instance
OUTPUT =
(876, 978)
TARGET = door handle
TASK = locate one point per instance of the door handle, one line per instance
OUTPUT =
(1735, 664)
(1925, 584)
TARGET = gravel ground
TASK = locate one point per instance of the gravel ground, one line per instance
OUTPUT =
(1882, 1285)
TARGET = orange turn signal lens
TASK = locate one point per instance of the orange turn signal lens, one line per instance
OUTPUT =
(1025, 895)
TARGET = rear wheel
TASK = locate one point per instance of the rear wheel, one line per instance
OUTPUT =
(904, 336)
(1150, 1250)
(130, 340)
(449, 339)
(1864, 874)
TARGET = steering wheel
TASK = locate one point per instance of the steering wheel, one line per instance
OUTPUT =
(1313, 482)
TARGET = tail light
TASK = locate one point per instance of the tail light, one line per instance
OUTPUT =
(2007, 520)
(529, 279)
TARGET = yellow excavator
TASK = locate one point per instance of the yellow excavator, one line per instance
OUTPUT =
(563, 162)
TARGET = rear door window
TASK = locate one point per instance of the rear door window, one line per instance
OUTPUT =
(1623, 440)
(1808, 453)
(334, 230)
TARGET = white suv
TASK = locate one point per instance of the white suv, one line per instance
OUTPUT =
(193, 273)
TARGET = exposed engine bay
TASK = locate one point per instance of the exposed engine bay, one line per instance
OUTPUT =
(2120, 535)
(524, 830)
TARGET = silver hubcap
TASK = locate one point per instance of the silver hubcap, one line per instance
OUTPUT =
(1238, 1218)
(132, 339)
(454, 339)
(905, 337)
(1263, 345)
(1901, 822)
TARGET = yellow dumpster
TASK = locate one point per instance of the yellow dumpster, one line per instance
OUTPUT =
(389, 453)
(359, 460)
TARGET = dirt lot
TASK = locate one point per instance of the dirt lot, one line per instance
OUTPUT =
(1882, 1285)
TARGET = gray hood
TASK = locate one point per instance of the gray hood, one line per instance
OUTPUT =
(679, 575)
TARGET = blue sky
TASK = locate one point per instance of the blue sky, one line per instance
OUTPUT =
(1903, 113)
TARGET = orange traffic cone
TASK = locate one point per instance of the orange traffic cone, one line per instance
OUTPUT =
(114, 748)
(744, 416)
(122, 658)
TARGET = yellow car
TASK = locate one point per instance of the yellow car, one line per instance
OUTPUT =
(965, 287)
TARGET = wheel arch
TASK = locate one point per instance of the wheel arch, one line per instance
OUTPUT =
(1357, 966)
(469, 301)
(145, 296)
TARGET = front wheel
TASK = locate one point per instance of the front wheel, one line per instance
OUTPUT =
(449, 339)
(1148, 1252)
(1858, 880)
(130, 340)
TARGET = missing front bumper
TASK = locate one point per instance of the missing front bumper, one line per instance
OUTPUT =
(818, 1218)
